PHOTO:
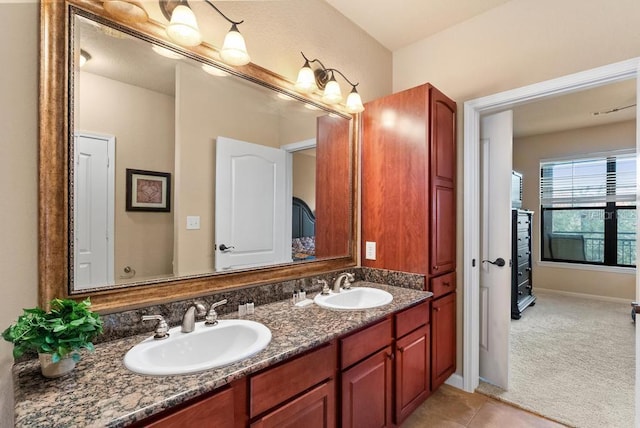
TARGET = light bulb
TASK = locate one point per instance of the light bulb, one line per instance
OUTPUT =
(306, 82)
(183, 28)
(234, 49)
(332, 93)
(354, 102)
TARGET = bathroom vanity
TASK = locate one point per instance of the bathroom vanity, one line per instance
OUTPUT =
(319, 362)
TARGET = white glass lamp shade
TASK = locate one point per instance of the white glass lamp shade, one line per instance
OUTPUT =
(234, 49)
(332, 93)
(306, 82)
(354, 102)
(183, 28)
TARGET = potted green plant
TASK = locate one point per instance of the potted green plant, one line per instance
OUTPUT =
(57, 335)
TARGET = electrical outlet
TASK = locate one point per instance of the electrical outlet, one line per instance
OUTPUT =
(370, 250)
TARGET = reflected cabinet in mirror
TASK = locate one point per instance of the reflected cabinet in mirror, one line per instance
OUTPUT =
(165, 174)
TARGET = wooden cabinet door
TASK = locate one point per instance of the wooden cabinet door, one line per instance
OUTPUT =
(413, 372)
(217, 411)
(443, 230)
(443, 339)
(442, 156)
(366, 392)
(395, 177)
(333, 188)
(443, 139)
(314, 409)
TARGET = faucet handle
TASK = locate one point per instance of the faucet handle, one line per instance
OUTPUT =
(348, 279)
(212, 315)
(325, 287)
(162, 328)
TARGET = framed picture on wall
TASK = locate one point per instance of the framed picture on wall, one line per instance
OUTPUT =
(148, 190)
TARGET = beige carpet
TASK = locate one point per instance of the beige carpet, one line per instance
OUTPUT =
(572, 360)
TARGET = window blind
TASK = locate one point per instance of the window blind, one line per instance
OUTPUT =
(588, 182)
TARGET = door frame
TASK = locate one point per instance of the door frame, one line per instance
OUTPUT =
(473, 109)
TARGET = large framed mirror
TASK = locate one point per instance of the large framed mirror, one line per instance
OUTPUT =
(166, 174)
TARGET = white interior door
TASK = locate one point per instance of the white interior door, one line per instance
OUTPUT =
(250, 213)
(93, 210)
(495, 237)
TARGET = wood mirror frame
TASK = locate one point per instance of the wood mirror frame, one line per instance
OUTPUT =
(53, 189)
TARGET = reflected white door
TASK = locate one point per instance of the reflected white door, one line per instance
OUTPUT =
(495, 281)
(250, 213)
(93, 210)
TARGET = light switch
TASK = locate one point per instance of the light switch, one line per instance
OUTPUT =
(193, 222)
(370, 250)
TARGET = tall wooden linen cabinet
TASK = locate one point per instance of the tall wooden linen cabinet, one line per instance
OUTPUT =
(409, 203)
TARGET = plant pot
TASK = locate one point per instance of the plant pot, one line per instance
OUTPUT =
(53, 370)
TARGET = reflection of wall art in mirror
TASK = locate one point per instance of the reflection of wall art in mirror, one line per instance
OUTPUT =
(148, 190)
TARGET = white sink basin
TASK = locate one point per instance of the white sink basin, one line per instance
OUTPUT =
(205, 348)
(354, 299)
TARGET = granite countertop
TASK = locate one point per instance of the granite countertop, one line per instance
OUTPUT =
(102, 392)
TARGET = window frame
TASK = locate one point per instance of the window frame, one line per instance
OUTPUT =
(610, 211)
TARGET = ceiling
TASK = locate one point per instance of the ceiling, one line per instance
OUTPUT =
(396, 24)
(403, 22)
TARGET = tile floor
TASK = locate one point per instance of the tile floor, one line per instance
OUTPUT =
(449, 407)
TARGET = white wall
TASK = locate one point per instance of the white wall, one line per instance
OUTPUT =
(527, 154)
(18, 178)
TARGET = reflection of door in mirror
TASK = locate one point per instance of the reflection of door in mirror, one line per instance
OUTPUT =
(93, 210)
(251, 206)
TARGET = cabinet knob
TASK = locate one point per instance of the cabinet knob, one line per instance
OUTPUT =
(390, 355)
(401, 348)
(435, 268)
(436, 309)
(446, 283)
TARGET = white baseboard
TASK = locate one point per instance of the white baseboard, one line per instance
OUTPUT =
(582, 295)
(455, 380)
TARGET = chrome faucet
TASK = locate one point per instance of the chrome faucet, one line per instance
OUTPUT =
(212, 315)
(345, 277)
(189, 317)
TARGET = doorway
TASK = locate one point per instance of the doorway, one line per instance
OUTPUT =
(472, 153)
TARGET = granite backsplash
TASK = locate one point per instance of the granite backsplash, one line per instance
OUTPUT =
(128, 323)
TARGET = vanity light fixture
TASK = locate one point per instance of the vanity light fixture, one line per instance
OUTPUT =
(323, 78)
(130, 11)
(183, 29)
(84, 57)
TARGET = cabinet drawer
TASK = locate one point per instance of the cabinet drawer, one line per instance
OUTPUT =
(412, 318)
(365, 342)
(280, 383)
(442, 285)
(217, 410)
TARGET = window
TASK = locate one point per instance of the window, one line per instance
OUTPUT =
(589, 210)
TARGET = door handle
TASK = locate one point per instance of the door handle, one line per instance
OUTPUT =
(225, 249)
(498, 262)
